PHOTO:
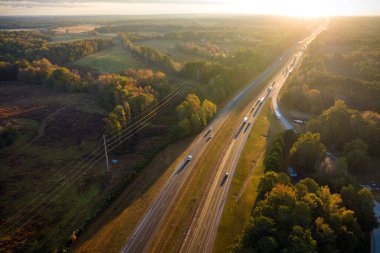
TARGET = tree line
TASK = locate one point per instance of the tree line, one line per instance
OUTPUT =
(150, 53)
(31, 46)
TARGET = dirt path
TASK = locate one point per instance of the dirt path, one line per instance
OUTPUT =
(45, 122)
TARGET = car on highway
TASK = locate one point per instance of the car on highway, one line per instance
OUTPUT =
(245, 120)
(299, 121)
(189, 158)
(261, 100)
(224, 179)
(208, 131)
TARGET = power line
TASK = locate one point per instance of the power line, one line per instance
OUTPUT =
(96, 159)
(73, 180)
(94, 153)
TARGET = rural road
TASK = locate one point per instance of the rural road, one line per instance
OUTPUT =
(207, 223)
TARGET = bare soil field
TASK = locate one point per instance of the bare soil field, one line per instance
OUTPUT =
(69, 124)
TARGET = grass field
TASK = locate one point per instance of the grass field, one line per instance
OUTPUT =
(250, 168)
(168, 47)
(77, 36)
(114, 59)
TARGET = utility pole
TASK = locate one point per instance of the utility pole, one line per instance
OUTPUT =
(198, 76)
(105, 150)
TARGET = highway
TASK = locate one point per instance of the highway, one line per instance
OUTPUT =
(203, 230)
(201, 238)
(284, 75)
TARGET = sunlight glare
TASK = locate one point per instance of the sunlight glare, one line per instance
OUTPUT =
(300, 8)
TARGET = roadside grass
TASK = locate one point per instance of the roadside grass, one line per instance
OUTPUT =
(243, 190)
(111, 229)
(275, 125)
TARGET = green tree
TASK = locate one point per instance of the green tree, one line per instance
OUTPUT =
(325, 236)
(362, 203)
(307, 152)
(197, 113)
(300, 241)
(208, 110)
(270, 179)
(120, 115)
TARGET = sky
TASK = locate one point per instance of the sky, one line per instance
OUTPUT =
(303, 8)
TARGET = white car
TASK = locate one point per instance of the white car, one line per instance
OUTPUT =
(299, 121)
(245, 119)
(189, 158)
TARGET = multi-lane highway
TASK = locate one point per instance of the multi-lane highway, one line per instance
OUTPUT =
(205, 223)
(203, 230)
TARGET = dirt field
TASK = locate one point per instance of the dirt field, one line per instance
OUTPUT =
(64, 115)
(53, 129)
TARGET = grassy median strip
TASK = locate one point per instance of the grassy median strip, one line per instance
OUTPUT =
(243, 191)
(175, 228)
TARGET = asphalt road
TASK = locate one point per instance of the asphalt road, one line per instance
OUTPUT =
(284, 75)
(204, 227)
(210, 213)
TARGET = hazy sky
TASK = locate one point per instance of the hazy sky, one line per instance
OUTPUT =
(139, 7)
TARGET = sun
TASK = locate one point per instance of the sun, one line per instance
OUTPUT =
(299, 8)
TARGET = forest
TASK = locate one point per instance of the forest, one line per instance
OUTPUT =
(325, 208)
(334, 213)
(338, 87)
(307, 217)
